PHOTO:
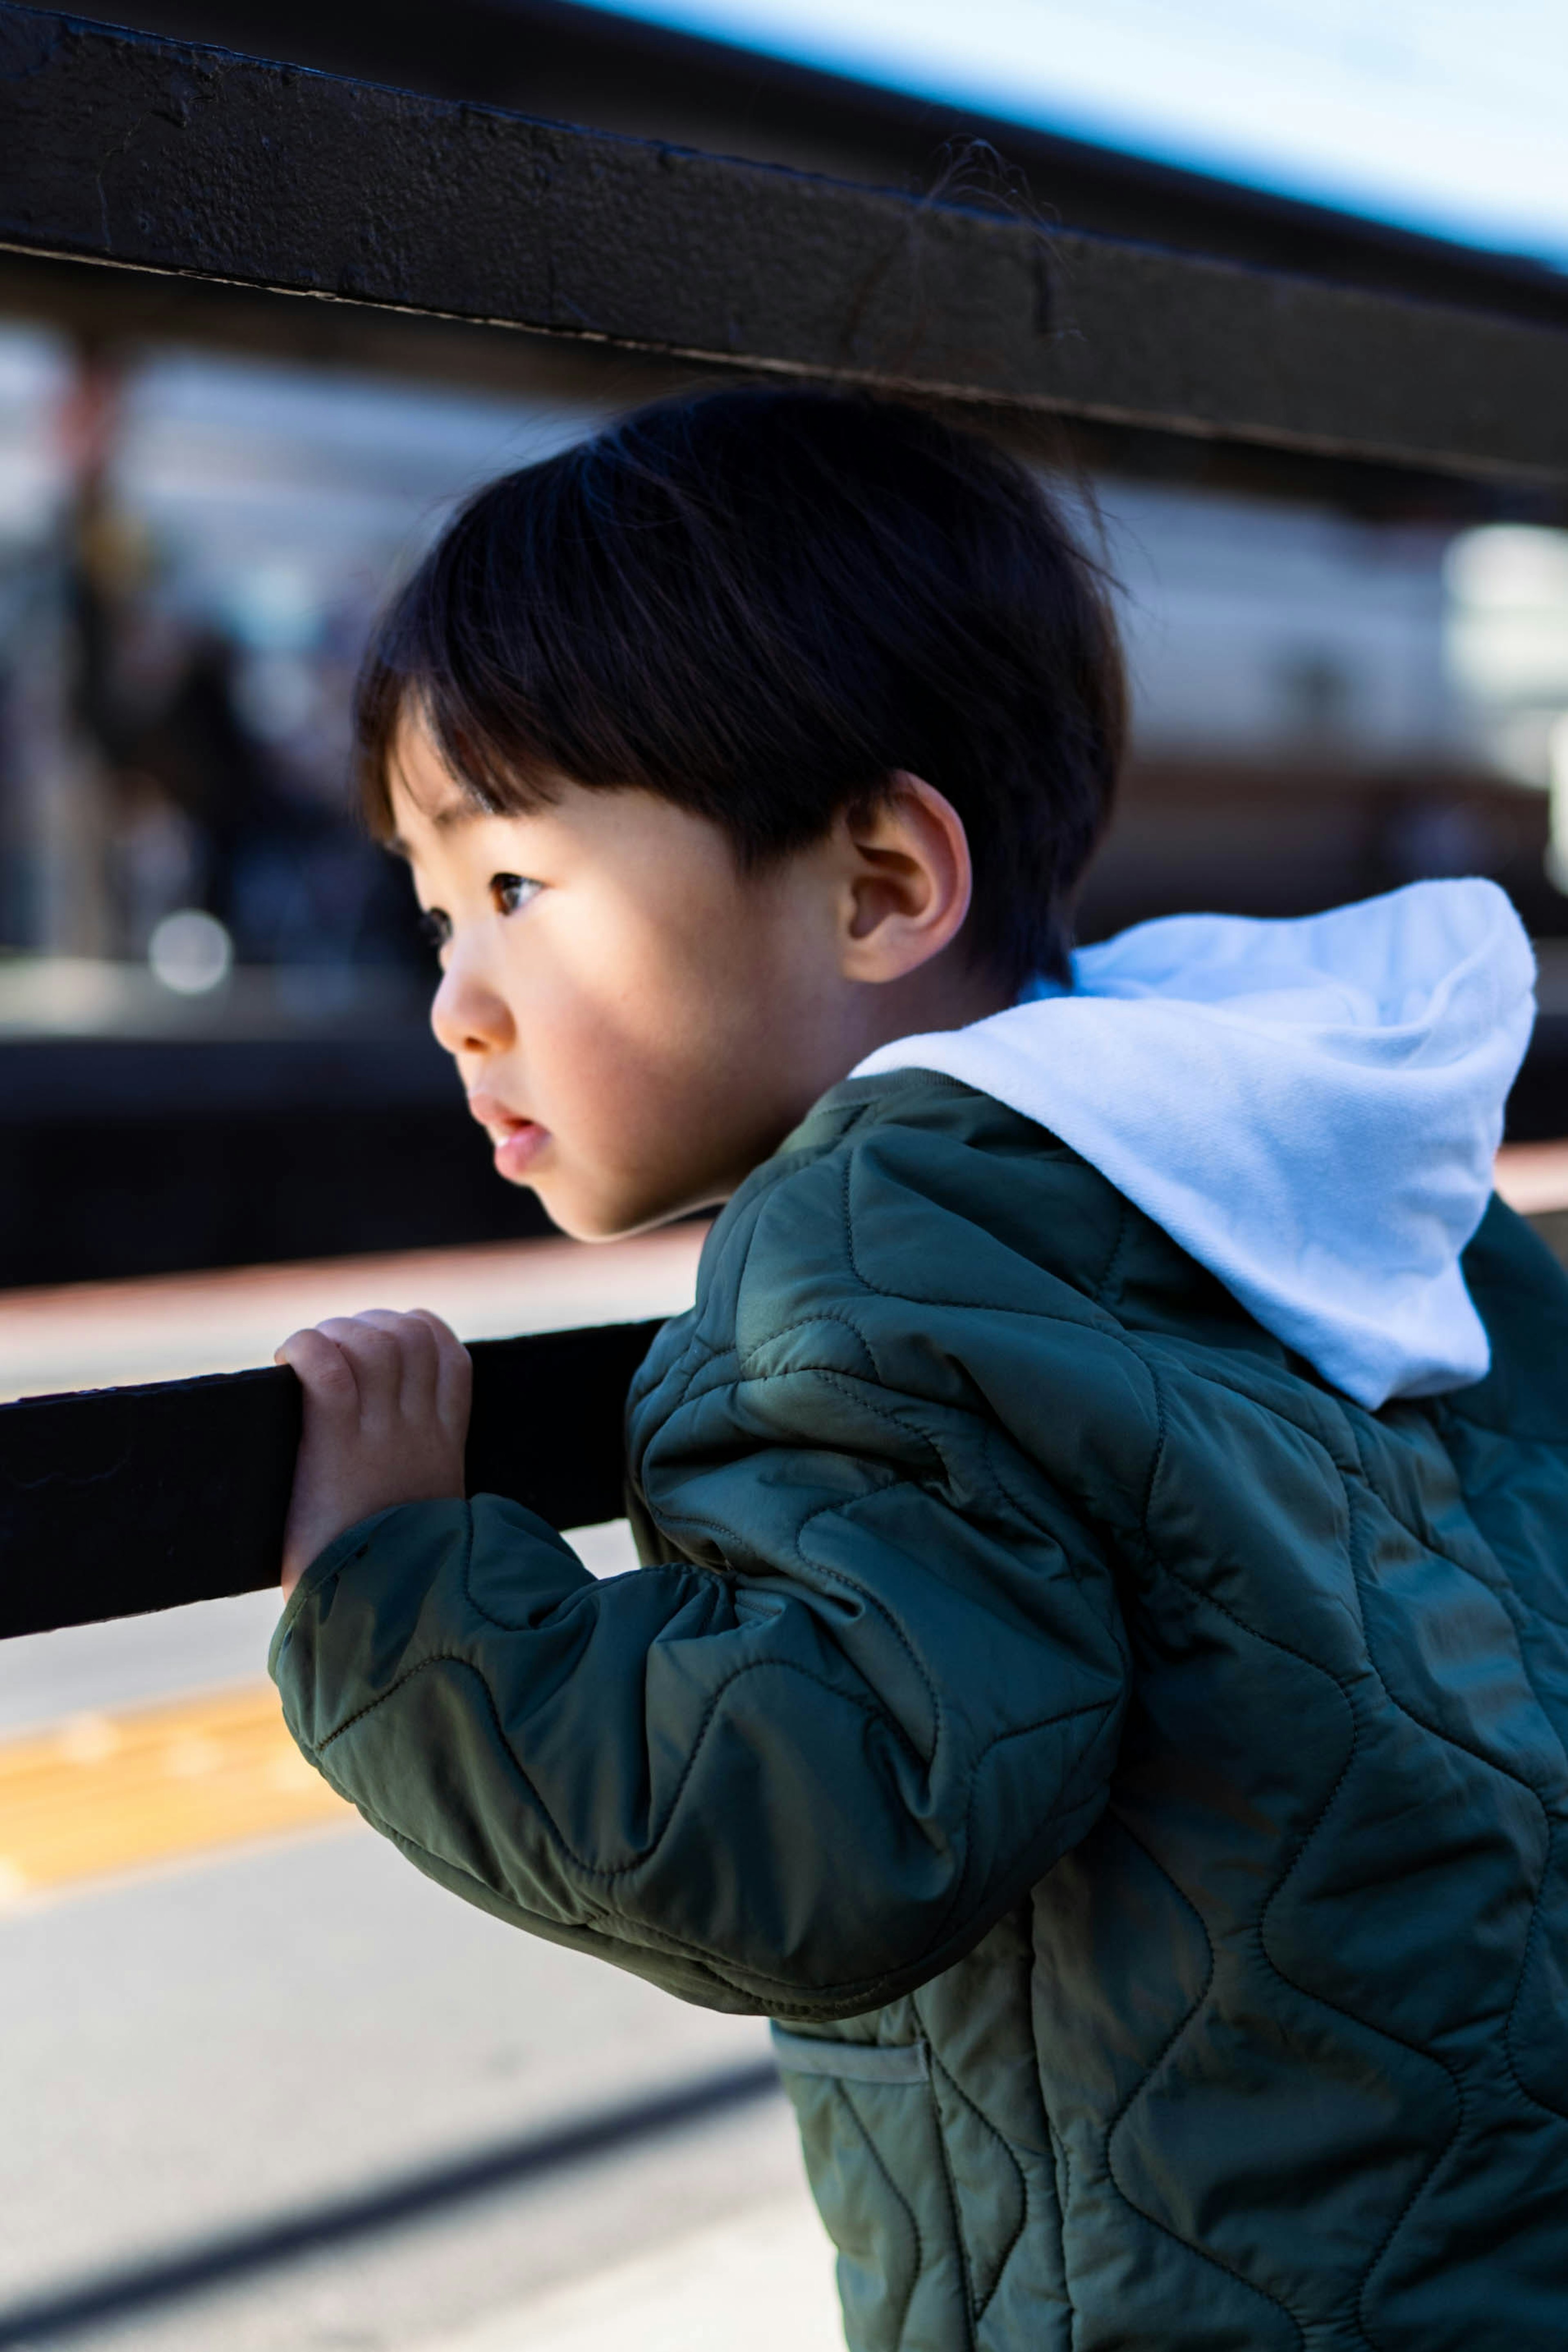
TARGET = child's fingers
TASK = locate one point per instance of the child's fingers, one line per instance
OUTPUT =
(455, 1391)
(386, 1412)
(323, 1371)
(381, 1361)
(417, 1340)
(454, 1372)
(377, 1358)
(432, 1322)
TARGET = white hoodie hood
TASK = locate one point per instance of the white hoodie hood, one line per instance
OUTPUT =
(1310, 1108)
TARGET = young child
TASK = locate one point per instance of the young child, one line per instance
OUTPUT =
(1099, 1674)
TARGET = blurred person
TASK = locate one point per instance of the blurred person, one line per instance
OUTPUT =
(1097, 1679)
(208, 816)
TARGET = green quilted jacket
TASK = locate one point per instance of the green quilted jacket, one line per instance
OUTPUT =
(1131, 1775)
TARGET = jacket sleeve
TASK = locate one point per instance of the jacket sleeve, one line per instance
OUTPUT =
(800, 1768)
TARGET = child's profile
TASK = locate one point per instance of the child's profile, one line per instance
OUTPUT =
(1096, 1677)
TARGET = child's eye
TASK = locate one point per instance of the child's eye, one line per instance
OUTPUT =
(510, 891)
(436, 925)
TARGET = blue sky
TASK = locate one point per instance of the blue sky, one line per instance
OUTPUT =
(1447, 115)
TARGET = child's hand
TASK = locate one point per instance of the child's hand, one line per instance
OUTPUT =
(386, 1418)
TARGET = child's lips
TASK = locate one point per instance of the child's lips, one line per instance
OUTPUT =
(515, 1153)
(517, 1141)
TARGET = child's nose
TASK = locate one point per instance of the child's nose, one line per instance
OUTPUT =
(468, 1015)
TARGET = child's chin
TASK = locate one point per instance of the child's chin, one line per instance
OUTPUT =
(612, 1214)
(586, 1217)
(582, 1211)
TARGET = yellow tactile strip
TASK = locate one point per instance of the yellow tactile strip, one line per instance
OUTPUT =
(97, 1794)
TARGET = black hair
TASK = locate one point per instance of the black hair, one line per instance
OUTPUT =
(760, 603)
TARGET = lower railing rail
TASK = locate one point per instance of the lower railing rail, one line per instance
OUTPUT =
(117, 1502)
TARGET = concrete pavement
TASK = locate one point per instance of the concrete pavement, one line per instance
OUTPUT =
(252, 2036)
(760, 2281)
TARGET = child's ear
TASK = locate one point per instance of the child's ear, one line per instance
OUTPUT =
(907, 879)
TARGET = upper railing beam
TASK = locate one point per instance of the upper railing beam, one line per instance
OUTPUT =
(150, 154)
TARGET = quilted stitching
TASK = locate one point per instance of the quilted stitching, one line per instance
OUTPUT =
(867, 2141)
(1291, 1864)
(1138, 2091)
(980, 2303)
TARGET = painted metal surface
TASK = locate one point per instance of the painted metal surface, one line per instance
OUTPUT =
(150, 154)
(119, 1501)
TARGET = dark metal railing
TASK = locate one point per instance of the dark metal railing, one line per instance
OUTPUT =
(158, 155)
(119, 1501)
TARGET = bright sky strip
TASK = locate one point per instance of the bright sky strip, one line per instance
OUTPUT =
(1445, 115)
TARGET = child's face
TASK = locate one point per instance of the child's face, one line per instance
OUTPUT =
(636, 1022)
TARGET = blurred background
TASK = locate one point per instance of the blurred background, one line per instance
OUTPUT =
(221, 1112)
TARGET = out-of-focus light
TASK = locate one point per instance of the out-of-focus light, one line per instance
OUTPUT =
(277, 696)
(1557, 833)
(1508, 566)
(190, 952)
(1508, 628)
(275, 608)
